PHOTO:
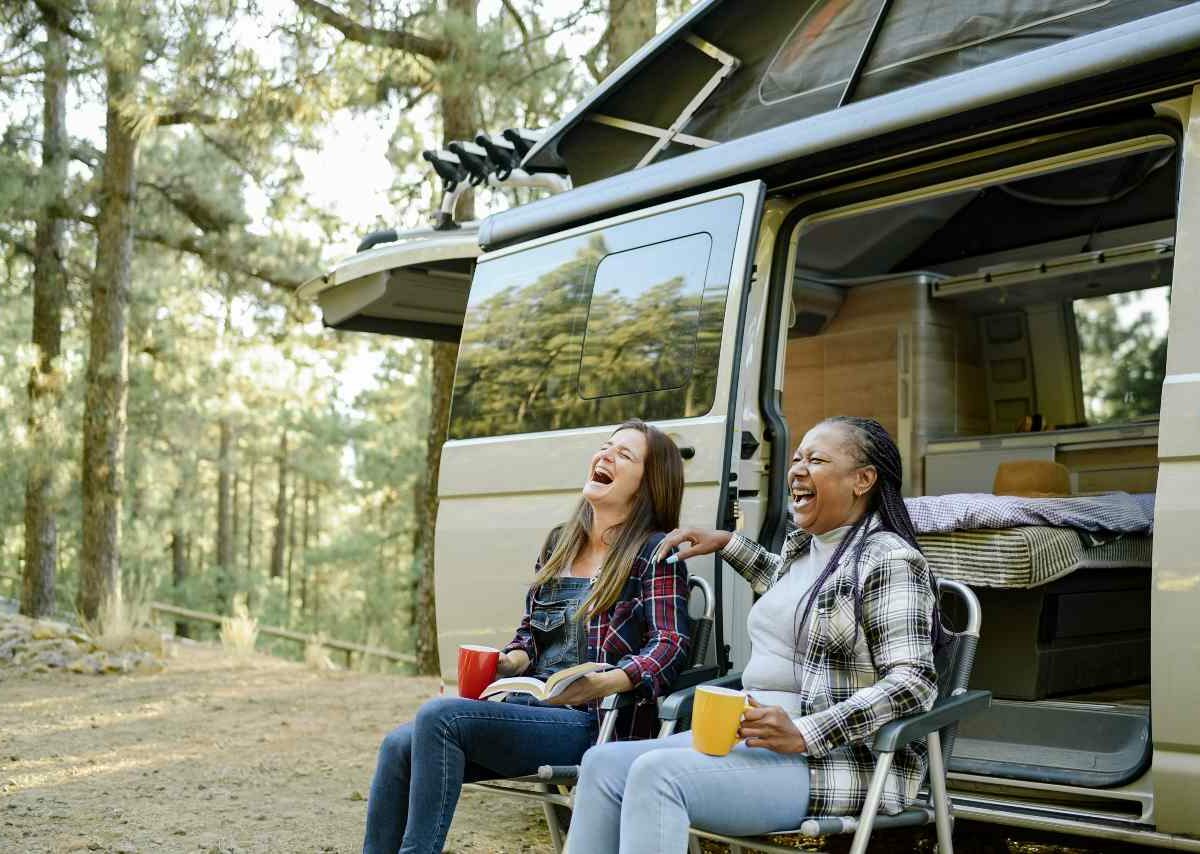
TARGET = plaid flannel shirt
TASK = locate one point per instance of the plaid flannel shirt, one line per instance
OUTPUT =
(853, 681)
(645, 633)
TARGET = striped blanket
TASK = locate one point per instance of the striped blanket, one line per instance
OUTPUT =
(1027, 556)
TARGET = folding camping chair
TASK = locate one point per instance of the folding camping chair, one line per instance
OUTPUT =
(552, 783)
(955, 703)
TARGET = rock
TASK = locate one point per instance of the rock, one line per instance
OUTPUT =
(125, 848)
(51, 658)
(357, 796)
(49, 629)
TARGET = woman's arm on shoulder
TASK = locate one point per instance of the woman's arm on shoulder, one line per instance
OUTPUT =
(664, 594)
(897, 613)
(750, 560)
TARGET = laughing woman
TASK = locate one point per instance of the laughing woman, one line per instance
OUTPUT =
(840, 645)
(596, 593)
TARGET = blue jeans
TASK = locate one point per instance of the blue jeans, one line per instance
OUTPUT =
(423, 764)
(639, 797)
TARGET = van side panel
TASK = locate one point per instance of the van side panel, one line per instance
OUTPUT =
(1175, 598)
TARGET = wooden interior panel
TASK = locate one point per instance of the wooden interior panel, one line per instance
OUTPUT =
(1130, 468)
(858, 364)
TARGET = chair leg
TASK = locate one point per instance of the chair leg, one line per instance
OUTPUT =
(874, 794)
(941, 801)
(694, 845)
(557, 836)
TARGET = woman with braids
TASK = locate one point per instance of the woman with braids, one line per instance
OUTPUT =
(841, 643)
(597, 593)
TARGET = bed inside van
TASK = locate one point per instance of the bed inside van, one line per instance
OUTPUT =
(1020, 313)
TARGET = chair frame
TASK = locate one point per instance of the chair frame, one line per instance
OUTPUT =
(938, 725)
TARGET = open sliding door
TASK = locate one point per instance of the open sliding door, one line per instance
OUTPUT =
(566, 336)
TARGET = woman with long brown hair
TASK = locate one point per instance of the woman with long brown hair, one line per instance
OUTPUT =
(597, 596)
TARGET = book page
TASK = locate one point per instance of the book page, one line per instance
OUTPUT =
(559, 682)
(516, 684)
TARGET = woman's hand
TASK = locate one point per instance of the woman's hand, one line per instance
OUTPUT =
(593, 687)
(770, 727)
(512, 663)
(701, 541)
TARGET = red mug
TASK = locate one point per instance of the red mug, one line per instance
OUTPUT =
(476, 669)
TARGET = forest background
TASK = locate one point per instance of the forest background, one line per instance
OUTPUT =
(174, 423)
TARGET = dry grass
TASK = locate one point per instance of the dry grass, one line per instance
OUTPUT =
(239, 633)
(315, 655)
(123, 624)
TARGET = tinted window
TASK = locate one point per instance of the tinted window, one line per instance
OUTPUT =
(624, 321)
(643, 318)
(1122, 353)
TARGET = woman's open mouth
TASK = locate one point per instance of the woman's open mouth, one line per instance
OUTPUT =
(802, 497)
(602, 477)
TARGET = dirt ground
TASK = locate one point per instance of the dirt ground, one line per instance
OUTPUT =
(214, 757)
(210, 756)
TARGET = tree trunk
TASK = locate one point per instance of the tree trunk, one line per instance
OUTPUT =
(459, 99)
(45, 382)
(250, 522)
(179, 557)
(425, 616)
(104, 414)
(631, 24)
(304, 543)
(458, 90)
(281, 517)
(225, 541)
(291, 551)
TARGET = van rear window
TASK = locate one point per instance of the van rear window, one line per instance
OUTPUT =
(621, 322)
(1123, 353)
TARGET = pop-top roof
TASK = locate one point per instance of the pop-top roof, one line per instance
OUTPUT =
(730, 68)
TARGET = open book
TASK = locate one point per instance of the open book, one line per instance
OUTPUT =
(546, 690)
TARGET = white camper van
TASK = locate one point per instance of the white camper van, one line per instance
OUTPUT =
(968, 220)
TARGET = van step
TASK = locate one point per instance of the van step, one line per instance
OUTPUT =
(1070, 744)
(1060, 821)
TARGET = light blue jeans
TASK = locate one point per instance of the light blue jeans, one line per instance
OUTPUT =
(639, 797)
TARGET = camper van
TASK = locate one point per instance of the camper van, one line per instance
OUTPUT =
(975, 222)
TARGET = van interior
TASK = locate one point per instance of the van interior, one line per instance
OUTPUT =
(1025, 319)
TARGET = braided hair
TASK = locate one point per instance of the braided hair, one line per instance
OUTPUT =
(872, 445)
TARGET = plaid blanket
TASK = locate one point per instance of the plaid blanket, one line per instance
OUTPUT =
(1115, 512)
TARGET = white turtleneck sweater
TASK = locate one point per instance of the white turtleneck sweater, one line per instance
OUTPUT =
(771, 674)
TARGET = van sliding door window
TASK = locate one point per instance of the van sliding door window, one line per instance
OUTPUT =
(619, 322)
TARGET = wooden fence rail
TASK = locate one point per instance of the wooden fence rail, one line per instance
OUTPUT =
(270, 631)
(287, 634)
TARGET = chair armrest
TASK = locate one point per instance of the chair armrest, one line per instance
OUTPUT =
(687, 679)
(949, 710)
(677, 705)
(694, 676)
(617, 701)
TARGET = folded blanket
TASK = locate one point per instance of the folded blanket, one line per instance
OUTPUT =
(1025, 557)
(1115, 512)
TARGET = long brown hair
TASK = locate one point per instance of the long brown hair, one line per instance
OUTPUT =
(655, 507)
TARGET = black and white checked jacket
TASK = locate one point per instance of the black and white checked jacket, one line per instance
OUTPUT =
(852, 682)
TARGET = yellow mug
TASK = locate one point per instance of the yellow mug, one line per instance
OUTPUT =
(716, 716)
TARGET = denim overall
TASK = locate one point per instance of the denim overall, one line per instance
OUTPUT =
(560, 638)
